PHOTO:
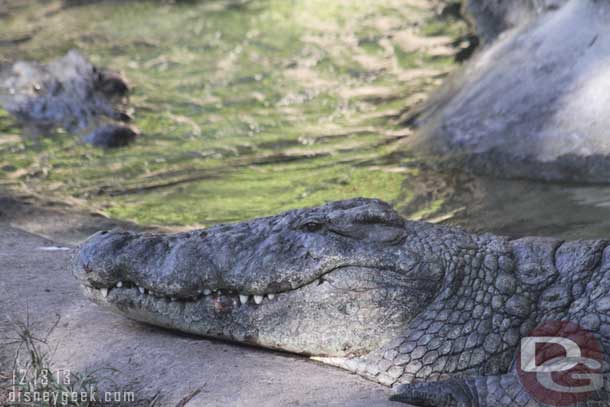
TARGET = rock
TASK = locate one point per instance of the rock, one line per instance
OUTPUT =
(68, 92)
(110, 83)
(8, 168)
(533, 104)
(112, 136)
(491, 17)
(449, 9)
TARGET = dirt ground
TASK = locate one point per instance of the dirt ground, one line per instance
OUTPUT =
(35, 279)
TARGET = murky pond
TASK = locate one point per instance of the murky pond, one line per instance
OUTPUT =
(248, 108)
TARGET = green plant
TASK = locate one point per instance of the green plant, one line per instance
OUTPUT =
(35, 381)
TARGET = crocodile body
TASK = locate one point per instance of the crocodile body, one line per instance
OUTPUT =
(433, 311)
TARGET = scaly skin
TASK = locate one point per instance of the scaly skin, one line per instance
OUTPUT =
(68, 92)
(433, 311)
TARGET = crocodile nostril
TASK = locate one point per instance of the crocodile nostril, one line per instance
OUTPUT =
(105, 232)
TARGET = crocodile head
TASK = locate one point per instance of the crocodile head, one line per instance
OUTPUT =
(337, 280)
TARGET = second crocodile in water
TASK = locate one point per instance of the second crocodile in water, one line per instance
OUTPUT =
(434, 311)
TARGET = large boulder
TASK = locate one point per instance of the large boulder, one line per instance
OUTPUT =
(535, 103)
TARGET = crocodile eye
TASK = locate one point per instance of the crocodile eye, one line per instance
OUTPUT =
(312, 226)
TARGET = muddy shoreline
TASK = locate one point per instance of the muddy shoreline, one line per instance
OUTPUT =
(55, 220)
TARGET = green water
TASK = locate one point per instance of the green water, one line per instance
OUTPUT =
(246, 108)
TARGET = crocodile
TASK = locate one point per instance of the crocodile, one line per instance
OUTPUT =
(68, 92)
(433, 311)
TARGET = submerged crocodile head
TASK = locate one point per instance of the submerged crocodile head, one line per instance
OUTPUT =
(338, 280)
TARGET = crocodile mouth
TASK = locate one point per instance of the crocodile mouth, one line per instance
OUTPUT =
(338, 313)
(128, 288)
(123, 290)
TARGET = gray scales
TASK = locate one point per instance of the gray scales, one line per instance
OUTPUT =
(433, 311)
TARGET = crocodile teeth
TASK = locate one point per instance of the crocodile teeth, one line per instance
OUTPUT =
(271, 296)
(258, 299)
(207, 291)
(243, 298)
(119, 284)
(104, 292)
(142, 290)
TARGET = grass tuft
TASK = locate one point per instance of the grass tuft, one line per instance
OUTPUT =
(34, 380)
